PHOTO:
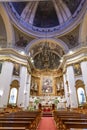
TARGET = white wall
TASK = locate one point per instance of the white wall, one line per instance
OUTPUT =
(28, 90)
(5, 81)
(22, 88)
(65, 90)
(84, 74)
(72, 89)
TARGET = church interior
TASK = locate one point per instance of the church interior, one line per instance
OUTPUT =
(43, 63)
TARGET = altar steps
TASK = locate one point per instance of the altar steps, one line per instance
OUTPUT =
(47, 114)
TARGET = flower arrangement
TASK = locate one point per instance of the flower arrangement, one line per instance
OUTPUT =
(36, 101)
(56, 101)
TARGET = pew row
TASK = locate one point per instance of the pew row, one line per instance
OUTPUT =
(67, 119)
(28, 120)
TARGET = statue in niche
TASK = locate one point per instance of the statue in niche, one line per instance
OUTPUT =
(32, 85)
(58, 86)
(35, 86)
(82, 96)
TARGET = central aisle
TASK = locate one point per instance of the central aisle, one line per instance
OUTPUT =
(47, 123)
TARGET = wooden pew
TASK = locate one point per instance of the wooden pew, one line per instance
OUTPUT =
(76, 124)
(15, 124)
(66, 120)
(23, 118)
(12, 128)
(28, 114)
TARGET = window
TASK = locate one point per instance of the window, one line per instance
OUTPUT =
(81, 95)
(13, 93)
(13, 96)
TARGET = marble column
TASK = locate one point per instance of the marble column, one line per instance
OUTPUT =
(84, 74)
(28, 90)
(66, 90)
(22, 88)
(72, 90)
(5, 81)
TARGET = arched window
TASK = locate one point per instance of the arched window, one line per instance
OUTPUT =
(13, 94)
(81, 95)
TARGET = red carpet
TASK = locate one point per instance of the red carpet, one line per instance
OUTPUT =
(47, 123)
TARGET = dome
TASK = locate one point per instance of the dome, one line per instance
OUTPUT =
(53, 17)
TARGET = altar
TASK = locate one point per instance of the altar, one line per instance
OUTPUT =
(47, 107)
(48, 103)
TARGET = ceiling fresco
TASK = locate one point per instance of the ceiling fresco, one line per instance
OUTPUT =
(71, 39)
(49, 60)
(52, 46)
(46, 55)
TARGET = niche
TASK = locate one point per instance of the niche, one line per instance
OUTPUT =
(13, 94)
(81, 95)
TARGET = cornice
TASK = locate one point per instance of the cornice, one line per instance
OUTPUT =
(10, 55)
(78, 56)
(11, 51)
(36, 73)
(76, 53)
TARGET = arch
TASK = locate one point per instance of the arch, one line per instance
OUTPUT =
(83, 29)
(15, 83)
(54, 40)
(13, 93)
(80, 90)
(8, 25)
(79, 83)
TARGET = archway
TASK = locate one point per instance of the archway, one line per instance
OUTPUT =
(13, 94)
(81, 95)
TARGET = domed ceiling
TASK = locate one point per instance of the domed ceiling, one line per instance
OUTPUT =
(39, 17)
(45, 20)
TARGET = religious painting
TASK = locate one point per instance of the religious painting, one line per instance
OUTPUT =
(16, 69)
(77, 69)
(47, 84)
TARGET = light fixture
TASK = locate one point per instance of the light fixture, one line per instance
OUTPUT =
(1, 93)
(61, 60)
(25, 92)
(22, 52)
(70, 52)
(32, 60)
